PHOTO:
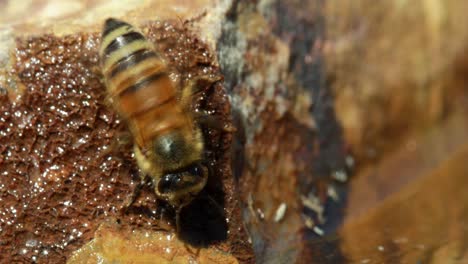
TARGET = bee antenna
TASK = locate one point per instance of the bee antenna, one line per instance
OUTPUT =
(212, 200)
(181, 21)
(196, 18)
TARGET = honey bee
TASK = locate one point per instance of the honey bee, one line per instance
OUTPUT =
(168, 143)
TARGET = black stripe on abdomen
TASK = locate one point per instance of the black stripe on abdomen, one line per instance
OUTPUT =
(123, 40)
(141, 84)
(131, 60)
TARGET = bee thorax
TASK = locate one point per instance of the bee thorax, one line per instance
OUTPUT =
(172, 147)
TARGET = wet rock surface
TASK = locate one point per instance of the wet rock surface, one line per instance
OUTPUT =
(274, 146)
(114, 243)
(315, 91)
(66, 156)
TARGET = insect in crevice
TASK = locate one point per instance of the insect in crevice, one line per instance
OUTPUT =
(168, 142)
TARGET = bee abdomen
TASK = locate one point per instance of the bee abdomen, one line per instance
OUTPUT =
(137, 79)
(128, 59)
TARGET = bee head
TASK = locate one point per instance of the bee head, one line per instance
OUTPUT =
(181, 186)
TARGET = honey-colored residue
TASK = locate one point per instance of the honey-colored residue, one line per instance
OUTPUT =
(114, 244)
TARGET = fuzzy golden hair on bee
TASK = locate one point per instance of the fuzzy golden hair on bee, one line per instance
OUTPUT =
(168, 143)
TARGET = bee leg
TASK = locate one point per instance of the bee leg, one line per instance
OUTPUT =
(177, 213)
(216, 204)
(214, 122)
(187, 246)
(130, 200)
(195, 85)
(189, 250)
(136, 192)
(120, 141)
(163, 225)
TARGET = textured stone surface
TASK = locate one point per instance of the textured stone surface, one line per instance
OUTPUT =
(114, 244)
(277, 146)
(290, 141)
(392, 72)
(64, 169)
